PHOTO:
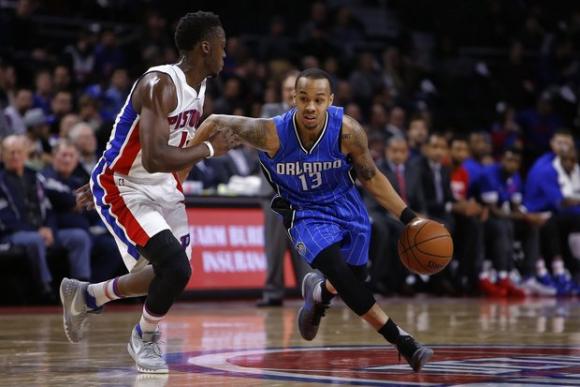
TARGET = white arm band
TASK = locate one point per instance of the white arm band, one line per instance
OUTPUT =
(210, 147)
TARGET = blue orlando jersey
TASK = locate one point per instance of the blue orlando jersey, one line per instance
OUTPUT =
(316, 193)
(316, 177)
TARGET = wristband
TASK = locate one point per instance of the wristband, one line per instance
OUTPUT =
(210, 147)
(407, 216)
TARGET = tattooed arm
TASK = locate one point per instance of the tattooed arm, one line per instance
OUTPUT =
(257, 132)
(355, 144)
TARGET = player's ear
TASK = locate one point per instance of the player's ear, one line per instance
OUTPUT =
(205, 47)
(331, 99)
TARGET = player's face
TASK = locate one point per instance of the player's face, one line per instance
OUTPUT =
(217, 52)
(459, 151)
(313, 97)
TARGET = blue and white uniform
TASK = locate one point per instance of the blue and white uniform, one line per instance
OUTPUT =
(316, 193)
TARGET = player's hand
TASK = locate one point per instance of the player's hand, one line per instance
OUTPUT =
(223, 140)
(84, 197)
(46, 235)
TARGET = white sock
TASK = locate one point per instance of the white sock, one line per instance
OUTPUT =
(149, 321)
(502, 274)
(558, 267)
(105, 291)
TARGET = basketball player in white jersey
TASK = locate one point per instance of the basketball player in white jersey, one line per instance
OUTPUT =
(136, 187)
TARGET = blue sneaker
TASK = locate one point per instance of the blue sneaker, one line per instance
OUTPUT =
(310, 314)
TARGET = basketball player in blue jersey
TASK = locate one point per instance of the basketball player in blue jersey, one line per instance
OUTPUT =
(311, 155)
(136, 187)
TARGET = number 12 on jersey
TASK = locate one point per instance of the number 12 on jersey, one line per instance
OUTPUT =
(315, 181)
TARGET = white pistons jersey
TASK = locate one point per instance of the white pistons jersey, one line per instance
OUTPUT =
(123, 153)
(134, 204)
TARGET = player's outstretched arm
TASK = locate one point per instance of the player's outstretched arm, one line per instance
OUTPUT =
(154, 98)
(257, 132)
(354, 142)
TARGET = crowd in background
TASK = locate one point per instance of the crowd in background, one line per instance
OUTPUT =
(469, 113)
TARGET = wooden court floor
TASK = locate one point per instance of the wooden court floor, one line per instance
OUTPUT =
(476, 341)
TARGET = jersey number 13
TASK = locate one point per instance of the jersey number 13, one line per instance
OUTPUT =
(313, 181)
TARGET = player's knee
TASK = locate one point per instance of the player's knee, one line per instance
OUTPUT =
(179, 271)
(169, 259)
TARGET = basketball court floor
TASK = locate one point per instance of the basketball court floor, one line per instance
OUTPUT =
(477, 342)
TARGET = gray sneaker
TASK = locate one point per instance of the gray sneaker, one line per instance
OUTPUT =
(310, 314)
(146, 352)
(74, 315)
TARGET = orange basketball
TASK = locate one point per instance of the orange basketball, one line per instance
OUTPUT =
(425, 247)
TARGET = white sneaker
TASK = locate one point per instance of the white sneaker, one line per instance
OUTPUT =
(146, 352)
(533, 287)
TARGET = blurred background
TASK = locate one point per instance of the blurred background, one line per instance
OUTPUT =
(472, 111)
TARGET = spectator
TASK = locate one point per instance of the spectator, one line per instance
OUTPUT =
(38, 133)
(61, 77)
(25, 219)
(81, 57)
(66, 123)
(501, 191)
(365, 79)
(378, 119)
(115, 96)
(231, 98)
(61, 105)
(108, 55)
(479, 149)
(417, 135)
(43, 92)
(15, 112)
(89, 111)
(83, 138)
(396, 125)
(387, 274)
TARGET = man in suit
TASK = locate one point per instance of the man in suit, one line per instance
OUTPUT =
(387, 273)
(444, 207)
(275, 234)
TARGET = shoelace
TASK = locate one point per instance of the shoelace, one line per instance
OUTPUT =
(152, 348)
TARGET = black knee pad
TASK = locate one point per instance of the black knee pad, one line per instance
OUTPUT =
(360, 272)
(172, 270)
(351, 289)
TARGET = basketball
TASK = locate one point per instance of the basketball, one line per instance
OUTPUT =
(425, 247)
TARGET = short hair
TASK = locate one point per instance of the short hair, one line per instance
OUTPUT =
(193, 28)
(512, 149)
(436, 134)
(75, 132)
(396, 138)
(316, 73)
(459, 137)
(63, 143)
(562, 132)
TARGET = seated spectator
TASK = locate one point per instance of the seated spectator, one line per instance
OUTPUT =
(417, 135)
(387, 273)
(83, 138)
(24, 211)
(14, 114)
(554, 188)
(43, 92)
(61, 105)
(38, 133)
(501, 191)
(84, 230)
(479, 149)
(469, 218)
